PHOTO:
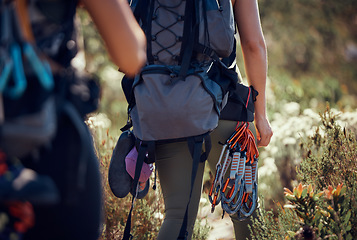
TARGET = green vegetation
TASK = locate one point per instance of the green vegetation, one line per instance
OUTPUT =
(323, 205)
(312, 48)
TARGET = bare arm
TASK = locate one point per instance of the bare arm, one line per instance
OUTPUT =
(247, 17)
(121, 33)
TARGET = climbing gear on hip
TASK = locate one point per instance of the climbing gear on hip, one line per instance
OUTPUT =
(26, 83)
(237, 193)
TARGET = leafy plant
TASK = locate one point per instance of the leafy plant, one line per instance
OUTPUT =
(321, 215)
(273, 225)
(328, 210)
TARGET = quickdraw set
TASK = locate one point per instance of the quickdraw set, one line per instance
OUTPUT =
(238, 192)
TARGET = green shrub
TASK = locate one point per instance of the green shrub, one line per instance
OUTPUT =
(272, 225)
(323, 205)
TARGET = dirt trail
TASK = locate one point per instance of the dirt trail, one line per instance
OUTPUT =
(222, 229)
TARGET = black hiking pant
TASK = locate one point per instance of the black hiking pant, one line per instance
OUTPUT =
(78, 214)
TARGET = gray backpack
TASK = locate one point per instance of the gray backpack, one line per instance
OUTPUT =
(181, 91)
(177, 94)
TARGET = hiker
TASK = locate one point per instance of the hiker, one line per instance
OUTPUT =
(255, 61)
(175, 101)
(68, 157)
(174, 104)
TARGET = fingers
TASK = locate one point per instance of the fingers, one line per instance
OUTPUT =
(264, 140)
(264, 133)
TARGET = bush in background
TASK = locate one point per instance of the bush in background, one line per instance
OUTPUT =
(293, 131)
(324, 204)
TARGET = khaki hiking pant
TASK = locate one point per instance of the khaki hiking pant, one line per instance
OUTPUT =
(174, 165)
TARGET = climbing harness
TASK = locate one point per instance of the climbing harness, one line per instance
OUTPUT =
(237, 193)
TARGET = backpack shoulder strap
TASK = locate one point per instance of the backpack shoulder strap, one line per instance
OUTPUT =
(189, 35)
(144, 148)
(195, 144)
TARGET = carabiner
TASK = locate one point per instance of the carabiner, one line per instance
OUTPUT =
(216, 197)
(236, 177)
(234, 189)
(236, 203)
(6, 66)
(42, 69)
(221, 156)
(253, 199)
(215, 189)
(19, 78)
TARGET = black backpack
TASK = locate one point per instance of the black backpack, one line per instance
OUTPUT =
(32, 96)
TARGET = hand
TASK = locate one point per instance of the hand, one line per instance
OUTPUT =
(264, 131)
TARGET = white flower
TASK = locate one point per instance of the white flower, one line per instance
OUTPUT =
(268, 168)
(264, 187)
(99, 121)
(289, 141)
(311, 114)
(158, 215)
(291, 109)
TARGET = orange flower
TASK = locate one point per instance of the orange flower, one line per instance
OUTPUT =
(328, 192)
(299, 191)
(287, 191)
(310, 191)
(337, 192)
